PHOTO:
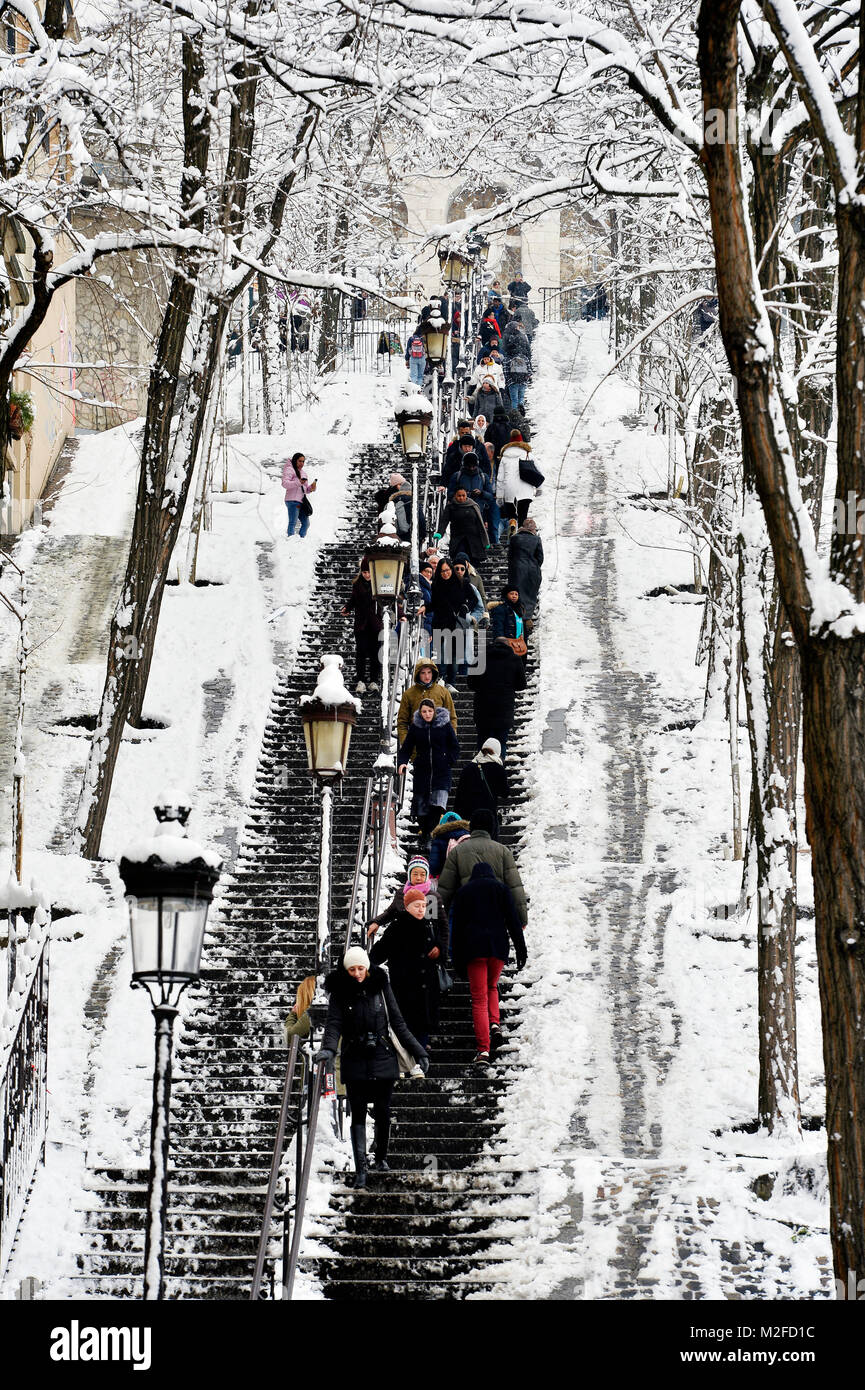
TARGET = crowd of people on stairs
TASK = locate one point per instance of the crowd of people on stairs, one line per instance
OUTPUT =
(463, 901)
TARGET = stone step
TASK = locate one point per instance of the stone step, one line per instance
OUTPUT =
(408, 1270)
(128, 1222)
(389, 1288)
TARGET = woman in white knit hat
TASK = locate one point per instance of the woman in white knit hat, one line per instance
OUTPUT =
(362, 1012)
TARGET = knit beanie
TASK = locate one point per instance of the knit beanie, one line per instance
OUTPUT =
(415, 895)
(355, 955)
(482, 819)
(395, 480)
(493, 746)
(417, 861)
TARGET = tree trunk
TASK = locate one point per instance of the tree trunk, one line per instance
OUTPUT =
(831, 647)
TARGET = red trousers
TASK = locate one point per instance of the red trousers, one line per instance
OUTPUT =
(484, 974)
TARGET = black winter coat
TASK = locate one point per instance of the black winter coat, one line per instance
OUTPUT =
(484, 921)
(436, 749)
(481, 785)
(362, 604)
(405, 946)
(519, 289)
(383, 496)
(468, 531)
(499, 432)
(451, 600)
(503, 619)
(525, 557)
(359, 1013)
(495, 689)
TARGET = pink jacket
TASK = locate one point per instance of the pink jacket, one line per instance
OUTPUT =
(294, 487)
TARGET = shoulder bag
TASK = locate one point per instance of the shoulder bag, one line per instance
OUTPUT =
(405, 1060)
(306, 506)
(530, 474)
(517, 645)
(445, 978)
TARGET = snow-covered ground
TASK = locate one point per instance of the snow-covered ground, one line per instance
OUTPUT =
(218, 651)
(638, 1004)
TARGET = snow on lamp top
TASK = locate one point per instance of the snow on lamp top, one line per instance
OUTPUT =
(170, 844)
(330, 687)
(413, 403)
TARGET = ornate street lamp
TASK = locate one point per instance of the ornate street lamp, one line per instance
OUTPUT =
(455, 266)
(328, 716)
(169, 881)
(413, 415)
(435, 332)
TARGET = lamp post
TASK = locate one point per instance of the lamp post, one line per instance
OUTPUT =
(169, 881)
(328, 716)
(387, 559)
(435, 332)
(413, 415)
(456, 265)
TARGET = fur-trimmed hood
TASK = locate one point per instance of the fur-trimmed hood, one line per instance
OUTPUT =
(438, 721)
(449, 827)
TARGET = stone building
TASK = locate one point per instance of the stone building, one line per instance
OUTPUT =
(551, 250)
(119, 315)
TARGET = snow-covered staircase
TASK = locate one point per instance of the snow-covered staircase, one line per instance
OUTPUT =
(439, 1225)
(424, 1231)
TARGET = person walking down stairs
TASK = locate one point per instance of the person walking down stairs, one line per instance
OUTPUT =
(410, 946)
(425, 682)
(367, 629)
(436, 748)
(483, 783)
(484, 922)
(362, 1011)
(297, 487)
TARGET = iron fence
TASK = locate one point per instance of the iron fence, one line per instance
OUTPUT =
(567, 303)
(23, 1085)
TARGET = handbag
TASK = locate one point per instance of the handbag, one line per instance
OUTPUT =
(517, 645)
(404, 1059)
(306, 506)
(445, 978)
(530, 474)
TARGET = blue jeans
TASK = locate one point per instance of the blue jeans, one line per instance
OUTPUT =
(293, 509)
(517, 391)
(416, 367)
(494, 521)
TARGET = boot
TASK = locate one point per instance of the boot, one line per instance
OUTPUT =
(382, 1136)
(358, 1148)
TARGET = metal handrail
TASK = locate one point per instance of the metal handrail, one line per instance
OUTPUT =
(359, 858)
(275, 1163)
(376, 893)
(288, 1274)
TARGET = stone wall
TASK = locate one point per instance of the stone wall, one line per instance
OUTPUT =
(120, 308)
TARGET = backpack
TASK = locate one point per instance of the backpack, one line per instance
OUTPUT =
(518, 366)
(403, 517)
(418, 348)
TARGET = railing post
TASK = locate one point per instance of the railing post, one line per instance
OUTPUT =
(274, 1170)
(304, 1182)
(323, 940)
(157, 1196)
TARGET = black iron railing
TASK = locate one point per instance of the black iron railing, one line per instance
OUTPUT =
(567, 303)
(23, 1081)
